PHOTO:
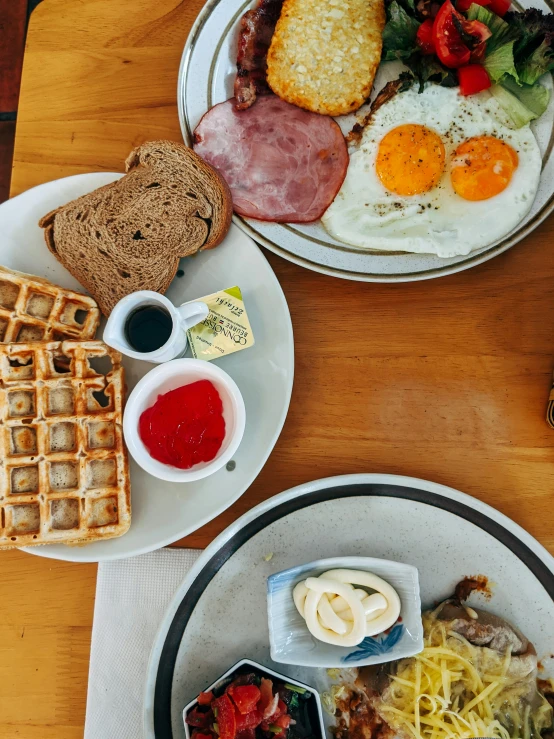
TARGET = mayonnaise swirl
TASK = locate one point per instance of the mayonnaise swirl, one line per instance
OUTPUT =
(339, 614)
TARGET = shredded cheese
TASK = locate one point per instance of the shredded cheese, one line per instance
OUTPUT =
(455, 690)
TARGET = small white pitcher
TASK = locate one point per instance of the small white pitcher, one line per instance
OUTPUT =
(184, 317)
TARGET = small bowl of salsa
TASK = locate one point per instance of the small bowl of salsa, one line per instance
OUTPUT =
(250, 701)
(184, 420)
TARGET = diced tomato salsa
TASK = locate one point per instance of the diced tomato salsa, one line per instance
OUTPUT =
(250, 707)
(245, 697)
(205, 699)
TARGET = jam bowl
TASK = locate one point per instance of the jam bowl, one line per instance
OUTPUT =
(166, 390)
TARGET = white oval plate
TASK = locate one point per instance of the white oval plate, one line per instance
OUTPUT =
(219, 614)
(163, 511)
(206, 78)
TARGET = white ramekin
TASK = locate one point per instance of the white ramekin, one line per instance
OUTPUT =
(170, 376)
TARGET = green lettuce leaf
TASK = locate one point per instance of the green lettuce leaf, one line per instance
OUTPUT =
(500, 62)
(519, 113)
(540, 61)
(535, 97)
(500, 30)
(399, 34)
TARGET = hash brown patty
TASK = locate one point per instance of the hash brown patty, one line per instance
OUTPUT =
(324, 53)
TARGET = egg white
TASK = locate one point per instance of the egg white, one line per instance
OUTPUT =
(367, 215)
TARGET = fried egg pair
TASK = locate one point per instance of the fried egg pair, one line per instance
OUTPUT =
(437, 173)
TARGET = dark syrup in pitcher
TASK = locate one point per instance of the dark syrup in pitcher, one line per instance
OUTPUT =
(148, 328)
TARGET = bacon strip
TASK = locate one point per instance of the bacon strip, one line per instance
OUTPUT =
(404, 82)
(255, 34)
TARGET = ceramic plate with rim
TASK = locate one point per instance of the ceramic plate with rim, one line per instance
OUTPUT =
(219, 614)
(206, 78)
(164, 511)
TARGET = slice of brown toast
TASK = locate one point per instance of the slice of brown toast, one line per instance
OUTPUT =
(129, 235)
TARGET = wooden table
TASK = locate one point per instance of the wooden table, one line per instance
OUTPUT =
(446, 380)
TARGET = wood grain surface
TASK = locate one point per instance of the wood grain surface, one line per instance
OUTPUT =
(13, 19)
(446, 380)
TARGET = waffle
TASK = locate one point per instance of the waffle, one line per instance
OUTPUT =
(34, 309)
(64, 474)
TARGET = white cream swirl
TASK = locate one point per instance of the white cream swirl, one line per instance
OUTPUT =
(340, 614)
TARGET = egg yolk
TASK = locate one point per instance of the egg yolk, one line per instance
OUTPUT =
(410, 159)
(482, 167)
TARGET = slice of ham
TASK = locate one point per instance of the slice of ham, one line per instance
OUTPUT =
(255, 34)
(281, 163)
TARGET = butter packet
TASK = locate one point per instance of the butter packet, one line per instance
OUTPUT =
(225, 330)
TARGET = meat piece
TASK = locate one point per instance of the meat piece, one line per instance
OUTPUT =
(281, 163)
(477, 583)
(356, 718)
(255, 34)
(486, 635)
(485, 629)
(404, 82)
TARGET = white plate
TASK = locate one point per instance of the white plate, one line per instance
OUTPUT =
(162, 511)
(219, 614)
(206, 78)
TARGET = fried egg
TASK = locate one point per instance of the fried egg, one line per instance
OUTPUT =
(436, 173)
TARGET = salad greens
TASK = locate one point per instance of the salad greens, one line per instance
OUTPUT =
(518, 112)
(399, 34)
(500, 62)
(519, 51)
(501, 31)
(533, 97)
(399, 43)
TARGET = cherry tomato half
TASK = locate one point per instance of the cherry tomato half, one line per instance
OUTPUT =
(481, 33)
(478, 30)
(424, 37)
(449, 46)
(473, 78)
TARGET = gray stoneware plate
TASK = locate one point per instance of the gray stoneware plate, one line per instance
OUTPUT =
(219, 614)
(206, 78)
(166, 511)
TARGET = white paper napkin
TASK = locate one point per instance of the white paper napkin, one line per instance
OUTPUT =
(131, 598)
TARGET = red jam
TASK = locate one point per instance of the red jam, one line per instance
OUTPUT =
(185, 426)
